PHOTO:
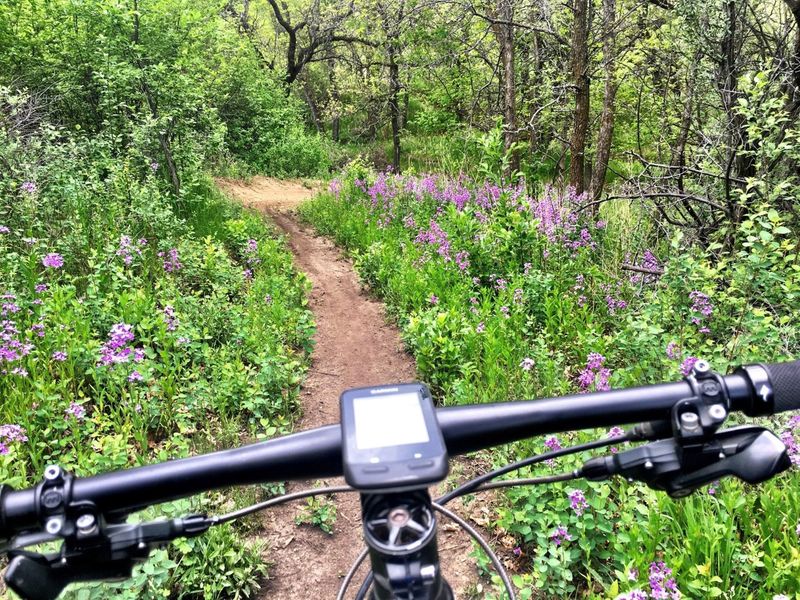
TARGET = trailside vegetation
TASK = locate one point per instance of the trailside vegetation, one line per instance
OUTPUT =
(502, 293)
(143, 316)
(551, 197)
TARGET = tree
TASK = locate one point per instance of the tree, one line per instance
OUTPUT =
(580, 80)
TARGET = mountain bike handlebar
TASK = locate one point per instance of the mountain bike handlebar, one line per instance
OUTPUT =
(755, 390)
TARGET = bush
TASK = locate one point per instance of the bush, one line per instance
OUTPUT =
(136, 329)
(502, 295)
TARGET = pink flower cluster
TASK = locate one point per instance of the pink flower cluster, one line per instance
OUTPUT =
(595, 374)
(10, 433)
(119, 349)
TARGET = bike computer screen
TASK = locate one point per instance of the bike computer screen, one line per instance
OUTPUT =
(391, 439)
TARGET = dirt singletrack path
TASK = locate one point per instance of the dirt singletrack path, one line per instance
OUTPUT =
(355, 346)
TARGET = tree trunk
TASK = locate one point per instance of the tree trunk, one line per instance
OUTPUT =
(505, 35)
(312, 107)
(580, 76)
(394, 105)
(606, 134)
(679, 148)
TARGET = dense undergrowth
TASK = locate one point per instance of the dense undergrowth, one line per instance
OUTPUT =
(502, 295)
(137, 326)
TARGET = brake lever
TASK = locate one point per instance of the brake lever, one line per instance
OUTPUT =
(111, 553)
(750, 453)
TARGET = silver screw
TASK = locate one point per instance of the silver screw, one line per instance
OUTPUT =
(717, 412)
(52, 472)
(86, 523)
(689, 420)
(53, 525)
(648, 464)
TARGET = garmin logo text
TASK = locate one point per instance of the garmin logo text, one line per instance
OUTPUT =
(384, 390)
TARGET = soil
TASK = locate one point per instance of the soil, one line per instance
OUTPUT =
(355, 346)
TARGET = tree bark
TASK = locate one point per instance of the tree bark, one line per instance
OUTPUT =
(678, 158)
(505, 35)
(580, 77)
(604, 138)
(394, 105)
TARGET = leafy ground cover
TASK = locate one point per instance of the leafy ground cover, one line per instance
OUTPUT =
(137, 326)
(503, 295)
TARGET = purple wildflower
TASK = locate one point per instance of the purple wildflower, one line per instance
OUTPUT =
(154, 165)
(560, 535)
(59, 356)
(480, 328)
(552, 443)
(135, 376)
(171, 261)
(633, 574)
(688, 364)
(673, 350)
(4, 229)
(75, 410)
(41, 288)
(127, 249)
(594, 374)
(170, 319)
(527, 364)
(29, 187)
(10, 434)
(792, 447)
(578, 502)
(615, 432)
(462, 260)
(118, 348)
(53, 261)
(517, 551)
(335, 187)
(703, 309)
(19, 371)
(182, 341)
(661, 584)
(13, 433)
(433, 299)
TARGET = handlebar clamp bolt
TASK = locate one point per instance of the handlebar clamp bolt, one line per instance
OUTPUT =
(717, 412)
(52, 473)
(53, 525)
(689, 420)
(701, 366)
(86, 523)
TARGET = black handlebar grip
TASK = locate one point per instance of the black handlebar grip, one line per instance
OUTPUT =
(785, 378)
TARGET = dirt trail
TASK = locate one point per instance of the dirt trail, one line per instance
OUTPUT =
(355, 346)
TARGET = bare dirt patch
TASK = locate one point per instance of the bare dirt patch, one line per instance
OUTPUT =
(355, 346)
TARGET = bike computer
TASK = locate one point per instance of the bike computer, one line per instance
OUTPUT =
(391, 439)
